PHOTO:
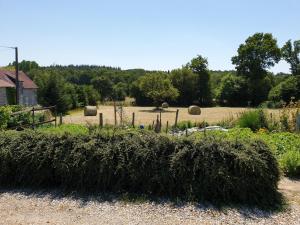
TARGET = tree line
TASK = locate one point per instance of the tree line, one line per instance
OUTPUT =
(251, 84)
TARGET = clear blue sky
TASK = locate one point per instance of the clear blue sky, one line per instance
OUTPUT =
(153, 34)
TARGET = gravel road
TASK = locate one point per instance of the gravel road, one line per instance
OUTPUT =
(19, 207)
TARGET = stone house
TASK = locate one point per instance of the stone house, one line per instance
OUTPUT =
(27, 88)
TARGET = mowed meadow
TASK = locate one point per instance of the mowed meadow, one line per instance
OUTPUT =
(146, 115)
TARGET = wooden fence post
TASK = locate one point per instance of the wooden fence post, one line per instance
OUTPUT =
(55, 115)
(160, 119)
(167, 128)
(157, 125)
(115, 113)
(133, 119)
(101, 120)
(176, 118)
(121, 115)
(33, 121)
(60, 119)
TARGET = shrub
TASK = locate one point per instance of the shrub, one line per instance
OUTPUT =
(286, 90)
(254, 119)
(291, 163)
(182, 125)
(6, 121)
(284, 145)
(216, 170)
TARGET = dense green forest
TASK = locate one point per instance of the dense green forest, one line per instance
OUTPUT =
(251, 84)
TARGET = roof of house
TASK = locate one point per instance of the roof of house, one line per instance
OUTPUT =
(7, 79)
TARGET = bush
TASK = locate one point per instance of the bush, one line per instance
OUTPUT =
(286, 90)
(182, 125)
(272, 104)
(291, 163)
(216, 170)
(6, 121)
(284, 145)
(254, 119)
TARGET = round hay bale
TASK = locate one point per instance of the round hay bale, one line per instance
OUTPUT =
(194, 110)
(90, 111)
(165, 105)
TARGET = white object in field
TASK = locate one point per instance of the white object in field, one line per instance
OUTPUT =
(90, 111)
(189, 131)
(194, 110)
(165, 105)
(213, 128)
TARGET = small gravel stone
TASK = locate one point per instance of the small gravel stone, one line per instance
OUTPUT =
(18, 207)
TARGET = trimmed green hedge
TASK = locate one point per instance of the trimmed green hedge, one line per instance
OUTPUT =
(216, 170)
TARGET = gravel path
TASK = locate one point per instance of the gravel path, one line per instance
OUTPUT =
(23, 208)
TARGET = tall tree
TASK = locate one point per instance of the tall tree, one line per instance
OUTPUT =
(53, 91)
(290, 52)
(186, 82)
(199, 66)
(158, 87)
(104, 86)
(232, 91)
(259, 53)
(26, 66)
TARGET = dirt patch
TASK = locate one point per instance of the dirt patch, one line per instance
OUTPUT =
(291, 189)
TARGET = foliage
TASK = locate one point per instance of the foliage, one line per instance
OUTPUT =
(272, 104)
(232, 91)
(211, 169)
(26, 66)
(284, 145)
(290, 52)
(251, 83)
(158, 87)
(119, 91)
(103, 85)
(259, 53)
(11, 96)
(289, 88)
(4, 116)
(53, 91)
(185, 81)
(182, 125)
(288, 115)
(63, 129)
(254, 119)
(199, 66)
(7, 121)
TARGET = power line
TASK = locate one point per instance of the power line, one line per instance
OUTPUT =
(3, 46)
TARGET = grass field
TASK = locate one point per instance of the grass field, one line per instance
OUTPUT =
(145, 115)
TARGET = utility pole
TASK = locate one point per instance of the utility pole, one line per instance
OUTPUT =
(17, 73)
(17, 77)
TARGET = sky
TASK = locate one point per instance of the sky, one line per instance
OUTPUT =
(153, 34)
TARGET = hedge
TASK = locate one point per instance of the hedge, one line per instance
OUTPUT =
(210, 169)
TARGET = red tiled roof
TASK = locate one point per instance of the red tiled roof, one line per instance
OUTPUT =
(7, 79)
(6, 82)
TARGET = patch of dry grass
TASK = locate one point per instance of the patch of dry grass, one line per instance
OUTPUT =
(145, 115)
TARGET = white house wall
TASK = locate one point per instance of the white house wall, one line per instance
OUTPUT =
(28, 97)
